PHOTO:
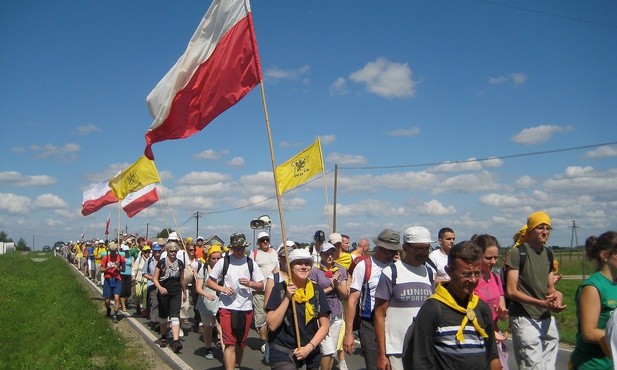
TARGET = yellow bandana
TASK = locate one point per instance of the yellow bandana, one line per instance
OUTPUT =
(303, 295)
(443, 296)
(329, 272)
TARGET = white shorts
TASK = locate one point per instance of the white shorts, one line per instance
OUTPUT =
(328, 344)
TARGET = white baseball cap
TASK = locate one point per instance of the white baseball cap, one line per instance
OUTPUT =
(262, 234)
(417, 234)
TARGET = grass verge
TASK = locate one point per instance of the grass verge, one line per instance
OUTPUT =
(49, 320)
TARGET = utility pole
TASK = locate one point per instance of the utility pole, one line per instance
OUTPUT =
(147, 227)
(573, 238)
(197, 215)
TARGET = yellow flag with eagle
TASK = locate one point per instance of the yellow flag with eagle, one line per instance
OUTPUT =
(300, 168)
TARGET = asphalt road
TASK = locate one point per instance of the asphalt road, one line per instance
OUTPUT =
(192, 355)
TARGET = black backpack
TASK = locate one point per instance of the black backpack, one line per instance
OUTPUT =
(226, 262)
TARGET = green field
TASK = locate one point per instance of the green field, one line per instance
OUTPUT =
(48, 319)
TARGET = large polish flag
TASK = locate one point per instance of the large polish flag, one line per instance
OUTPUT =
(219, 67)
(139, 200)
(97, 197)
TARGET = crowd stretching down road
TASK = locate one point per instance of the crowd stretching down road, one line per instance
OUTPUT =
(410, 307)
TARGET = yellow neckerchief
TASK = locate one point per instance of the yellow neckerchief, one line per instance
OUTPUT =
(303, 295)
(443, 296)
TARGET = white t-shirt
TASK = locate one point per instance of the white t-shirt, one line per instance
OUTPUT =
(267, 261)
(357, 279)
(238, 268)
(413, 287)
(441, 261)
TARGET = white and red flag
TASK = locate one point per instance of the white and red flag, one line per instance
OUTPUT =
(107, 224)
(219, 67)
(139, 200)
(97, 197)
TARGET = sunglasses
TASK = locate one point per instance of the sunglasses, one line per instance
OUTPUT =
(264, 240)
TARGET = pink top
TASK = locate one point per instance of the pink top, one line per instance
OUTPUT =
(490, 291)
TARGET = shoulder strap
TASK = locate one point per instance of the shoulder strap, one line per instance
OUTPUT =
(316, 302)
(225, 265)
(431, 263)
(522, 257)
(368, 266)
(255, 253)
(394, 274)
(429, 271)
(250, 263)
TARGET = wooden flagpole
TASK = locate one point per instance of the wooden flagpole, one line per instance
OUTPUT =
(280, 208)
(173, 217)
(331, 226)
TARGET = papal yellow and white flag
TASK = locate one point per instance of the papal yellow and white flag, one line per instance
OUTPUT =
(139, 174)
(300, 168)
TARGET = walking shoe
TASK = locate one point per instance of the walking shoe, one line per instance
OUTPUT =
(263, 347)
(177, 346)
(108, 309)
(209, 355)
(163, 342)
(115, 319)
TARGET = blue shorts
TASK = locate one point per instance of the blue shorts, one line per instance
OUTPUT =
(112, 287)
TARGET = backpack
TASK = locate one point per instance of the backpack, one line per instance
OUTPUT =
(368, 266)
(522, 253)
(226, 262)
(428, 271)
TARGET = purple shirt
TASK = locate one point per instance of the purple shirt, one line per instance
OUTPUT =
(318, 276)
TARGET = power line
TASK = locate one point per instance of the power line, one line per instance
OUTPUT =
(543, 152)
(576, 19)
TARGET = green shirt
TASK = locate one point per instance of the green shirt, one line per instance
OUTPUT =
(533, 281)
(588, 356)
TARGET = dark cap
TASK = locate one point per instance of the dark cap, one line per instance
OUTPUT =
(237, 240)
(319, 236)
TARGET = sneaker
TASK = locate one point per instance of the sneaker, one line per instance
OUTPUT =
(181, 333)
(163, 342)
(108, 309)
(209, 355)
(342, 365)
(115, 319)
(263, 347)
(177, 346)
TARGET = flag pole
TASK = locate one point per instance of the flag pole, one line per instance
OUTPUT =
(173, 217)
(331, 226)
(280, 208)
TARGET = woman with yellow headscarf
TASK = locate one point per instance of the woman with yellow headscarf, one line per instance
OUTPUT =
(208, 301)
(312, 312)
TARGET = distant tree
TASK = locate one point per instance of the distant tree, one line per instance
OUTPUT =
(21, 245)
(164, 233)
(4, 237)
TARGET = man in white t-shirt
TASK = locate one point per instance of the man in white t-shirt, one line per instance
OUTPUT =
(235, 305)
(402, 289)
(266, 258)
(362, 295)
(319, 238)
(439, 256)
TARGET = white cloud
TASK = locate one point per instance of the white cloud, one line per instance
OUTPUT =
(15, 178)
(468, 183)
(602, 152)
(236, 162)
(345, 159)
(501, 200)
(204, 178)
(516, 78)
(525, 181)
(435, 208)
(470, 165)
(583, 180)
(327, 139)
(539, 134)
(288, 74)
(405, 132)
(13, 203)
(207, 154)
(65, 152)
(87, 129)
(50, 201)
(339, 87)
(386, 79)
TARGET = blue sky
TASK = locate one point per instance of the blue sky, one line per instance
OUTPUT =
(389, 88)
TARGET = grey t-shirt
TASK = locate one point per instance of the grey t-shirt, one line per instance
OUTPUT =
(532, 281)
